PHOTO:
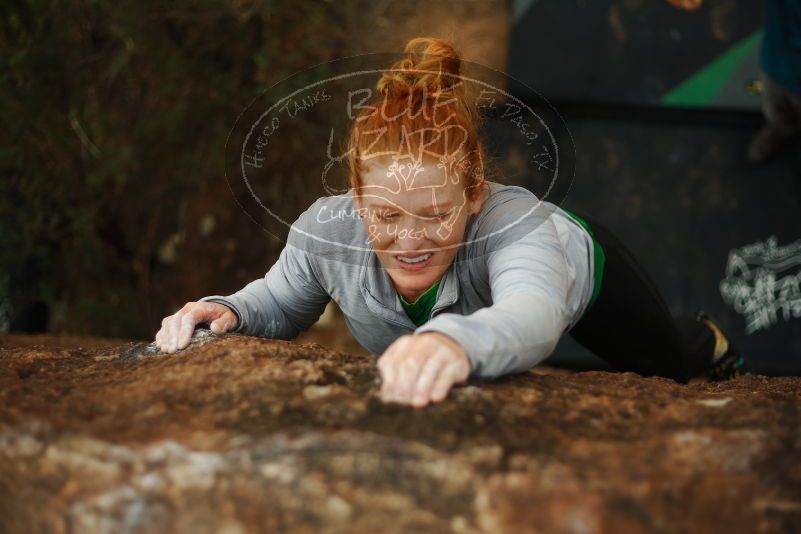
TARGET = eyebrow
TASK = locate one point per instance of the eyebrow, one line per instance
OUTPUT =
(443, 206)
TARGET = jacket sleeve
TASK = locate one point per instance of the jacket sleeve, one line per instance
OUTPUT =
(287, 300)
(529, 285)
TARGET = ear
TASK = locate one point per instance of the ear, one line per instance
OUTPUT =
(476, 200)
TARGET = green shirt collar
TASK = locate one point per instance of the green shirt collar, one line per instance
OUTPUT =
(419, 311)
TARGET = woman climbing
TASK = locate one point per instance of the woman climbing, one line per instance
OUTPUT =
(448, 275)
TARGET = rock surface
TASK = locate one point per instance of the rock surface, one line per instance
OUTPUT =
(239, 434)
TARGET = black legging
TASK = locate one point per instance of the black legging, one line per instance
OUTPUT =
(629, 324)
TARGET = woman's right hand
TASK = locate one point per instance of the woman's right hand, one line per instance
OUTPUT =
(176, 330)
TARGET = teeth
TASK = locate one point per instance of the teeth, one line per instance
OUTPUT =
(417, 259)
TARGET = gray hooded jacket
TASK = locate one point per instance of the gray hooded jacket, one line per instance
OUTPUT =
(522, 277)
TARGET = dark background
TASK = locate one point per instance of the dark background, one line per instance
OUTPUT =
(666, 170)
(115, 210)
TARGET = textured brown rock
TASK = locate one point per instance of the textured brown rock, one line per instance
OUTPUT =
(239, 434)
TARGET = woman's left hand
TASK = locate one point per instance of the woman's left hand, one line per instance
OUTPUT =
(418, 369)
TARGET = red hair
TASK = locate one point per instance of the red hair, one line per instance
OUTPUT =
(420, 110)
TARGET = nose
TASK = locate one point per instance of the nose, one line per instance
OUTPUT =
(411, 235)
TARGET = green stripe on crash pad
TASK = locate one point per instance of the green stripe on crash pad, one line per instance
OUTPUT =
(701, 88)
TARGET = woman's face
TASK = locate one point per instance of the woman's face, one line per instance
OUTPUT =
(415, 216)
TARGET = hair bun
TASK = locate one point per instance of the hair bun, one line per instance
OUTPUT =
(431, 65)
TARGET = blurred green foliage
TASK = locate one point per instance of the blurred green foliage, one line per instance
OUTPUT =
(111, 112)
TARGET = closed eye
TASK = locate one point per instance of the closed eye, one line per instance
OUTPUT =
(443, 215)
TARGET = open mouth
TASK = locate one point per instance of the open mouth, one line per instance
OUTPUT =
(414, 263)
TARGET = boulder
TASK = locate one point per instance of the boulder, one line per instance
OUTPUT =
(240, 434)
